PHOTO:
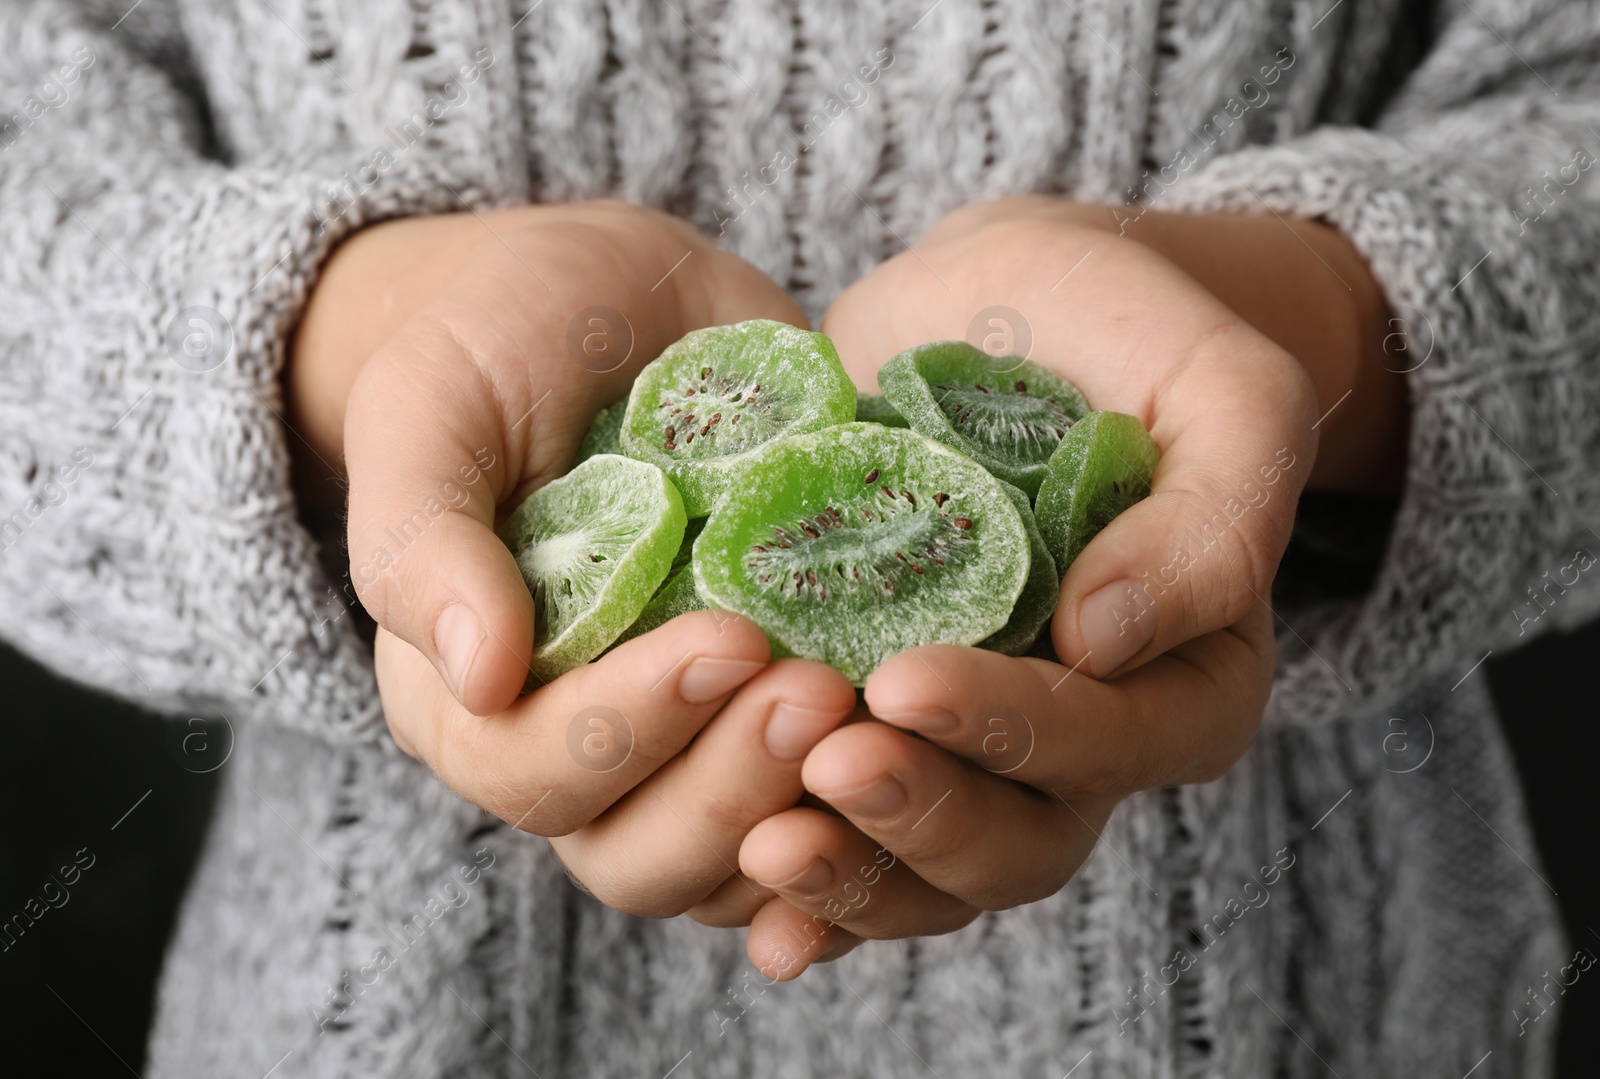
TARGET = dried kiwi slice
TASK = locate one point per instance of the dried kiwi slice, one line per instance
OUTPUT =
(1009, 422)
(1037, 604)
(605, 433)
(1102, 467)
(875, 408)
(676, 595)
(720, 392)
(851, 544)
(593, 546)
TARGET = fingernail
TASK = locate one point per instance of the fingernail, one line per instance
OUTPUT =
(707, 679)
(1116, 622)
(457, 636)
(809, 881)
(930, 721)
(793, 731)
(883, 797)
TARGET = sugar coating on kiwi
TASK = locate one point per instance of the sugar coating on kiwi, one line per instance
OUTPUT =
(1010, 422)
(593, 547)
(1037, 603)
(719, 393)
(1103, 466)
(854, 543)
(604, 434)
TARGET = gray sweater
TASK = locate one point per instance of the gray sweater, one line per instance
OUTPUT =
(1359, 896)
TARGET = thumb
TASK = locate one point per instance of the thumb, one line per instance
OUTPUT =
(470, 406)
(427, 469)
(1201, 551)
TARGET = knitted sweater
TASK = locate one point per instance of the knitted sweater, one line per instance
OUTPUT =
(1359, 895)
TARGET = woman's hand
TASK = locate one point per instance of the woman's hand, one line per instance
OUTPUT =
(984, 781)
(461, 359)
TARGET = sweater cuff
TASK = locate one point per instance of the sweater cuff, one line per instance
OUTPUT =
(1497, 427)
(177, 571)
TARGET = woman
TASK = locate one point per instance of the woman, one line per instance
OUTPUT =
(1350, 254)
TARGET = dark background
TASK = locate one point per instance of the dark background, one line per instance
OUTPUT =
(76, 990)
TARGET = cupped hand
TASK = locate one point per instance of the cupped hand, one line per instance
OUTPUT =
(461, 360)
(982, 781)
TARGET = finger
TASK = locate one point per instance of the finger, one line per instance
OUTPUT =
(784, 940)
(990, 842)
(566, 752)
(479, 399)
(731, 903)
(1182, 718)
(1201, 551)
(666, 844)
(825, 866)
(439, 431)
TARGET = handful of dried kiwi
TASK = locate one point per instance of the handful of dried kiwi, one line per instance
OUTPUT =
(745, 473)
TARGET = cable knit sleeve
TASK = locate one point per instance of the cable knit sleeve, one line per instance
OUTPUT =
(1475, 200)
(149, 544)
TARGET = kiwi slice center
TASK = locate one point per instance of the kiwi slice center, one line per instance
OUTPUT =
(568, 567)
(877, 544)
(724, 413)
(1029, 425)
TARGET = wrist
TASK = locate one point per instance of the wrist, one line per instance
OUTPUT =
(1363, 438)
(1306, 287)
